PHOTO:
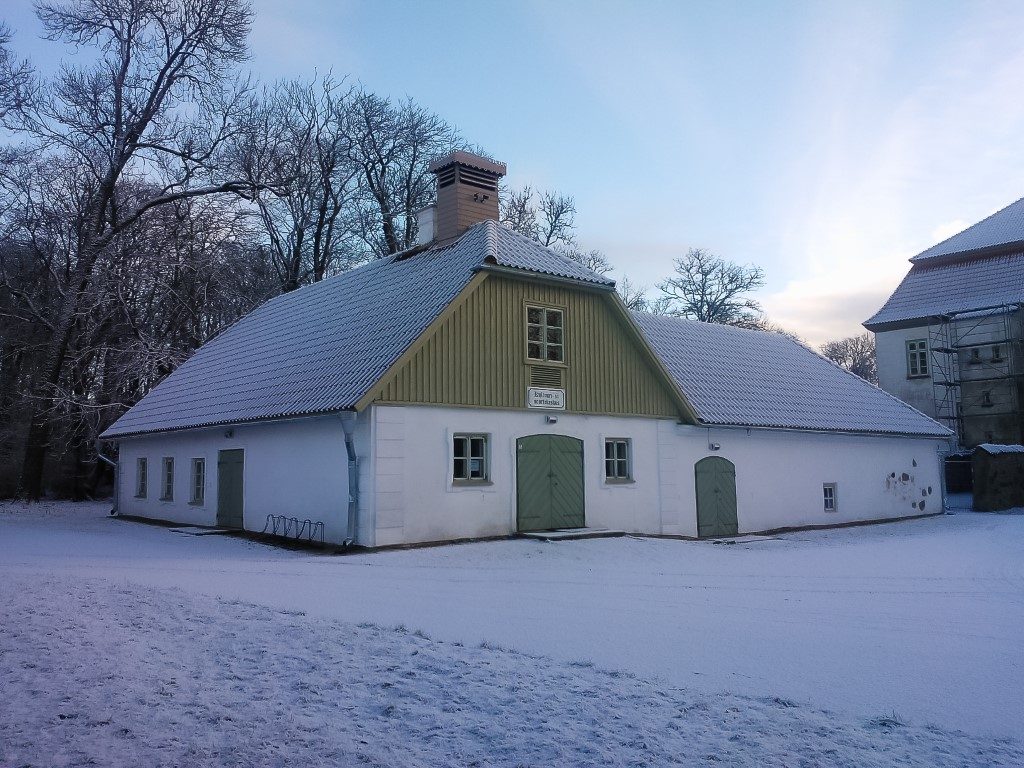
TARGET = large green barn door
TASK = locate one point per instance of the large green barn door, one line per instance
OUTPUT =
(549, 483)
(716, 497)
(230, 465)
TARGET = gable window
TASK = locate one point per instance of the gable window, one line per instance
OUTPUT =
(469, 459)
(917, 358)
(198, 481)
(167, 480)
(829, 496)
(141, 478)
(617, 460)
(545, 334)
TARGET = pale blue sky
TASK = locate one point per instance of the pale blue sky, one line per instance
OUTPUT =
(826, 142)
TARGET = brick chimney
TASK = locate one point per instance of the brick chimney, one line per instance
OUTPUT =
(467, 192)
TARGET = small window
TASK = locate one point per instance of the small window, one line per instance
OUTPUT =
(141, 478)
(198, 481)
(986, 399)
(829, 496)
(167, 480)
(617, 463)
(975, 357)
(545, 334)
(469, 459)
(917, 358)
(997, 353)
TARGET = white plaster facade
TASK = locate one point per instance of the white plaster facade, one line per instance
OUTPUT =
(891, 356)
(406, 494)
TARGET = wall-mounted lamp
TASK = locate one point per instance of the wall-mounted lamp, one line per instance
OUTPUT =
(714, 447)
(551, 419)
(480, 197)
(229, 433)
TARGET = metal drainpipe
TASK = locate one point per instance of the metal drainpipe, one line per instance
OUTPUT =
(117, 480)
(347, 422)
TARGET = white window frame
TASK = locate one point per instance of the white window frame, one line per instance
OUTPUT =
(830, 494)
(197, 483)
(620, 466)
(543, 329)
(141, 477)
(167, 478)
(917, 359)
(476, 447)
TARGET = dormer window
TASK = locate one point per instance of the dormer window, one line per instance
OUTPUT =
(545, 334)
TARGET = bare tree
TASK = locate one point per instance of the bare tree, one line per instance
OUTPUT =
(518, 211)
(593, 260)
(15, 75)
(392, 145)
(634, 296)
(307, 128)
(547, 217)
(708, 288)
(856, 354)
(157, 103)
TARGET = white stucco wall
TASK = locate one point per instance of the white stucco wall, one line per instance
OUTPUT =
(416, 501)
(891, 355)
(296, 468)
(779, 475)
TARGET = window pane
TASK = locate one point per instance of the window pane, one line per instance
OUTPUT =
(555, 353)
(554, 318)
(460, 472)
(476, 468)
(533, 333)
(477, 448)
(460, 447)
(554, 336)
(533, 351)
(609, 449)
(533, 315)
(622, 468)
(609, 468)
(620, 449)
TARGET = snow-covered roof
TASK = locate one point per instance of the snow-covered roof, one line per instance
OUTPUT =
(321, 348)
(1003, 228)
(994, 449)
(738, 377)
(929, 290)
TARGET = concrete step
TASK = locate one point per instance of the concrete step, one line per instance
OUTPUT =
(569, 534)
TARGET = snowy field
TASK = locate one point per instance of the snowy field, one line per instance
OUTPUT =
(128, 644)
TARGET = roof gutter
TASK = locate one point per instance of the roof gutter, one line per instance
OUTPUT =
(805, 430)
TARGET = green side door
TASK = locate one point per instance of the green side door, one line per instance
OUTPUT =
(549, 483)
(716, 498)
(230, 466)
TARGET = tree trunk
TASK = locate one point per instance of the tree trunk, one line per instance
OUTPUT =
(38, 441)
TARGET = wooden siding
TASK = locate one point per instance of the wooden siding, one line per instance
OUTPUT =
(476, 355)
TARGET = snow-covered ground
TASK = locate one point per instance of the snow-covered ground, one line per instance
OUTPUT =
(131, 644)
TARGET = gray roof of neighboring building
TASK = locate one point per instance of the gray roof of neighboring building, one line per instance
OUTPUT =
(930, 290)
(321, 348)
(1004, 229)
(737, 377)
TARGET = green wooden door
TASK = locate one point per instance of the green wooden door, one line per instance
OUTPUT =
(716, 497)
(549, 483)
(230, 465)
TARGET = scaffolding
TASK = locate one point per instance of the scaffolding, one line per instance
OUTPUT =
(975, 347)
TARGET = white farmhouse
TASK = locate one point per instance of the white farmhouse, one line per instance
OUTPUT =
(949, 339)
(481, 385)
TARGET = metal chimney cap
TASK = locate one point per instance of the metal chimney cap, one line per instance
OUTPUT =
(469, 159)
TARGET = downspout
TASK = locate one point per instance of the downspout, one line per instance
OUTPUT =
(348, 420)
(117, 480)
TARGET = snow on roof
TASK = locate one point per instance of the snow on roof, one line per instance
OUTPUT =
(993, 449)
(1004, 227)
(929, 290)
(321, 348)
(738, 377)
